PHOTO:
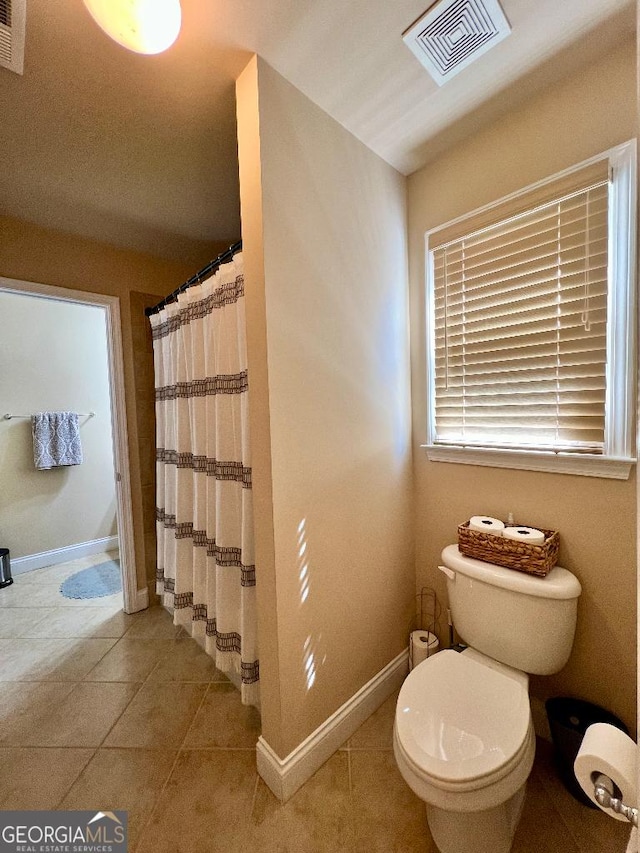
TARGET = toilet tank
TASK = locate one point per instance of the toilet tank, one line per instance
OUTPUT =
(524, 621)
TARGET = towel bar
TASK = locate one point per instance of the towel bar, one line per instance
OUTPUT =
(8, 416)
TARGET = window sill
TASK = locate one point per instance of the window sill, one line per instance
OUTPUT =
(584, 465)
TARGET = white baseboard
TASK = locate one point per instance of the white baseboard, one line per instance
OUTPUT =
(62, 555)
(285, 776)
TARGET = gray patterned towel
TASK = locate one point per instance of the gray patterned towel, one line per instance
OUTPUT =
(56, 439)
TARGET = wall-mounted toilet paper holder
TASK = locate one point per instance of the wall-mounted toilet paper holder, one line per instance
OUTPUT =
(604, 790)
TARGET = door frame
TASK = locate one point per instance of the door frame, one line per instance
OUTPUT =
(133, 598)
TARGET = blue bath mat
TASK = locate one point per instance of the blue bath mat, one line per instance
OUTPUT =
(94, 582)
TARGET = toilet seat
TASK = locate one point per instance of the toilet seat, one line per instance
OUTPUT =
(463, 720)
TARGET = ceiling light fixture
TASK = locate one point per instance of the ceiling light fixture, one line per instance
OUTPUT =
(144, 26)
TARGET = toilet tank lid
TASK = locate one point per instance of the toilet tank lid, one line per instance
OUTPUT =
(559, 583)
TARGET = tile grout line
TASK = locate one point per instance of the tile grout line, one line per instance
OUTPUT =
(80, 772)
(352, 802)
(179, 752)
(75, 683)
(151, 671)
(540, 780)
(205, 693)
(85, 677)
(154, 807)
(140, 684)
(255, 794)
(121, 714)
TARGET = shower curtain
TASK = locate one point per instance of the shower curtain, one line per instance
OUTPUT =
(205, 569)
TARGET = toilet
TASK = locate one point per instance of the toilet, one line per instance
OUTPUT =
(463, 736)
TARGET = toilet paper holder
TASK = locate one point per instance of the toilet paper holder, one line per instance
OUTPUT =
(604, 791)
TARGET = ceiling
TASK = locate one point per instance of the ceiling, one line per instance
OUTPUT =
(140, 151)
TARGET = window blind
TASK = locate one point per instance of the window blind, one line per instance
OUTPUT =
(520, 319)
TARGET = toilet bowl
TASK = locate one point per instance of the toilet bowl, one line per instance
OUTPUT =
(464, 743)
(463, 735)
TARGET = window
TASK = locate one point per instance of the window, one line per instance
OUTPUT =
(531, 326)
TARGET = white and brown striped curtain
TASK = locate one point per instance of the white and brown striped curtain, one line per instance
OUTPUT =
(204, 522)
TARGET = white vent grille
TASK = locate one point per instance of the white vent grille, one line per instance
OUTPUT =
(454, 33)
(12, 31)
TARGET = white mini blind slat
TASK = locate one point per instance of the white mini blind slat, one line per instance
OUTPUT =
(520, 316)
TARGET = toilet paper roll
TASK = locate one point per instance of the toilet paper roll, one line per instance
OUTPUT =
(422, 645)
(606, 749)
(486, 524)
(525, 534)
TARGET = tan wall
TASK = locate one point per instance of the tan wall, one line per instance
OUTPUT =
(583, 116)
(324, 241)
(53, 357)
(30, 253)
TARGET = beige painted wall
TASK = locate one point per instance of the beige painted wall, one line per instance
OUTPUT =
(53, 357)
(31, 253)
(324, 234)
(583, 116)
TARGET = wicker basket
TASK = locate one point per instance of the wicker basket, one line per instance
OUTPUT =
(513, 554)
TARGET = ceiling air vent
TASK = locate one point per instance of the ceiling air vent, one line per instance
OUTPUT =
(454, 33)
(12, 20)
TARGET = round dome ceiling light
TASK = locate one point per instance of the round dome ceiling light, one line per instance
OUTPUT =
(144, 26)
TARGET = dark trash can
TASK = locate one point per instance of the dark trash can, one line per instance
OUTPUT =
(5, 568)
(569, 720)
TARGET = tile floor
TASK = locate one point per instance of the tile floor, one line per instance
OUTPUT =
(100, 710)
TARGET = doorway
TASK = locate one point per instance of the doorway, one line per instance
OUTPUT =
(105, 311)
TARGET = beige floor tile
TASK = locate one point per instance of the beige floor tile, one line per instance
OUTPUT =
(25, 703)
(38, 778)
(591, 829)
(37, 595)
(388, 816)
(112, 601)
(128, 779)
(154, 624)
(50, 659)
(541, 829)
(25, 659)
(21, 594)
(205, 805)
(131, 659)
(107, 623)
(82, 718)
(63, 623)
(223, 721)
(317, 819)
(184, 660)
(20, 621)
(9, 594)
(158, 717)
(377, 731)
(41, 588)
(51, 574)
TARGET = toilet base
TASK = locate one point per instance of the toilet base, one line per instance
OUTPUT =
(489, 831)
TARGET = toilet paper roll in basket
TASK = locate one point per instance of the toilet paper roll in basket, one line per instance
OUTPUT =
(524, 534)
(606, 749)
(486, 524)
(422, 644)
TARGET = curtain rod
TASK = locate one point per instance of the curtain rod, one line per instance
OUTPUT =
(212, 266)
